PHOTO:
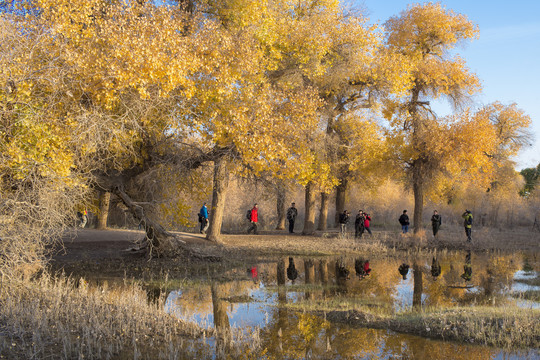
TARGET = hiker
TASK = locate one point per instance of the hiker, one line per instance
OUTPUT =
(359, 224)
(467, 223)
(404, 221)
(343, 221)
(367, 219)
(292, 213)
(253, 217)
(203, 219)
(436, 222)
(83, 217)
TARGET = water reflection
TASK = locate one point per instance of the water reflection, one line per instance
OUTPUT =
(435, 268)
(418, 287)
(403, 270)
(467, 268)
(309, 276)
(221, 321)
(341, 275)
(361, 267)
(243, 302)
(292, 273)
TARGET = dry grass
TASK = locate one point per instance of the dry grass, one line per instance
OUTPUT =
(54, 319)
(505, 326)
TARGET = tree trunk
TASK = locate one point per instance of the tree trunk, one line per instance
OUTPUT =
(280, 206)
(309, 221)
(221, 183)
(156, 236)
(323, 214)
(341, 198)
(418, 190)
(103, 214)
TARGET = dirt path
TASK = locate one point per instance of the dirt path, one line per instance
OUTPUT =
(90, 245)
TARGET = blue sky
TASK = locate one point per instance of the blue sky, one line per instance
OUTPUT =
(506, 58)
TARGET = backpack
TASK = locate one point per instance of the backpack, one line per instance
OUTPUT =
(469, 220)
(248, 215)
(200, 217)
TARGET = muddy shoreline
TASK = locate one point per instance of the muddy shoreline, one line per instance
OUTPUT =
(107, 252)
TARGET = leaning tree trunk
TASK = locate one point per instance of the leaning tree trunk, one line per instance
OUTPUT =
(280, 206)
(221, 183)
(418, 190)
(103, 214)
(156, 236)
(157, 240)
(309, 221)
(341, 198)
(323, 213)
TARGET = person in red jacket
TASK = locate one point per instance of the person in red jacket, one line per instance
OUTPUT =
(367, 219)
(254, 219)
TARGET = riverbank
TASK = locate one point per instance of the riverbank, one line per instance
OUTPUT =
(64, 314)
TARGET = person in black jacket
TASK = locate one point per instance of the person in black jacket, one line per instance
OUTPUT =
(436, 222)
(292, 213)
(359, 224)
(404, 221)
(343, 221)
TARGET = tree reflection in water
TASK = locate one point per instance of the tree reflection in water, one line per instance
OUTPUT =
(294, 334)
(418, 287)
(221, 321)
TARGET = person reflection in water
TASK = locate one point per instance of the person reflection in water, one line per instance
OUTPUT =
(254, 274)
(341, 270)
(361, 267)
(403, 270)
(292, 273)
(467, 268)
(435, 268)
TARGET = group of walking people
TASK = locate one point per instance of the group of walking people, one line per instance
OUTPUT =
(436, 221)
(361, 222)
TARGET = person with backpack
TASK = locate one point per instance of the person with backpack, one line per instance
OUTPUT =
(436, 222)
(253, 217)
(292, 213)
(83, 218)
(467, 223)
(203, 219)
(404, 221)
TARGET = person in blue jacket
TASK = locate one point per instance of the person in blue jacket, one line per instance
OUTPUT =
(203, 219)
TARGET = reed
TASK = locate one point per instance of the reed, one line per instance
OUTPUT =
(54, 318)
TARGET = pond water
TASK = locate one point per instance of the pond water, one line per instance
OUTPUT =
(252, 299)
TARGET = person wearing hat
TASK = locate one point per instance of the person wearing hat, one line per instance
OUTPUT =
(468, 220)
